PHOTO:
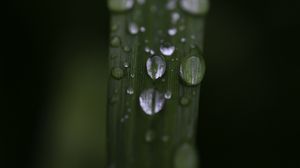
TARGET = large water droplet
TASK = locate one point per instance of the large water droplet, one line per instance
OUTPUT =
(186, 157)
(115, 42)
(167, 49)
(120, 5)
(117, 73)
(133, 28)
(151, 101)
(192, 70)
(196, 7)
(156, 67)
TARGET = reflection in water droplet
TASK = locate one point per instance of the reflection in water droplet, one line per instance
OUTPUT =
(196, 7)
(149, 136)
(115, 42)
(156, 67)
(172, 31)
(120, 5)
(168, 94)
(192, 70)
(186, 157)
(151, 101)
(126, 64)
(130, 91)
(133, 28)
(117, 73)
(184, 101)
(167, 49)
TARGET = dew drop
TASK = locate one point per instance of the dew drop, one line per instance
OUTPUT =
(168, 94)
(149, 136)
(183, 40)
(167, 49)
(141, 2)
(147, 49)
(186, 157)
(151, 101)
(172, 31)
(114, 28)
(192, 70)
(126, 48)
(171, 5)
(175, 17)
(126, 64)
(152, 52)
(130, 91)
(120, 5)
(117, 73)
(195, 7)
(142, 29)
(184, 101)
(156, 67)
(115, 42)
(133, 28)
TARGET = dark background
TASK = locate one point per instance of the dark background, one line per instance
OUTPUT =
(55, 77)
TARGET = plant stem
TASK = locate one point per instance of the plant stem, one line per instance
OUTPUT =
(135, 139)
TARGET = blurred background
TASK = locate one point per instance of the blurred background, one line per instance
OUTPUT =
(55, 77)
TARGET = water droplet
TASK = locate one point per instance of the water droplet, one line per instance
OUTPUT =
(171, 5)
(126, 48)
(175, 17)
(183, 40)
(130, 91)
(192, 70)
(184, 101)
(117, 73)
(114, 28)
(120, 5)
(151, 101)
(126, 117)
(196, 7)
(115, 42)
(149, 136)
(126, 64)
(168, 94)
(172, 31)
(186, 157)
(167, 49)
(132, 75)
(133, 28)
(142, 29)
(156, 67)
(152, 52)
(147, 49)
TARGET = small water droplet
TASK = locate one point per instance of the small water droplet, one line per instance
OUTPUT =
(171, 5)
(147, 49)
(117, 73)
(114, 27)
(126, 64)
(168, 94)
(149, 136)
(152, 52)
(183, 40)
(186, 157)
(151, 101)
(133, 28)
(172, 31)
(175, 16)
(156, 67)
(126, 48)
(115, 42)
(195, 7)
(142, 29)
(184, 101)
(192, 70)
(120, 5)
(130, 91)
(167, 49)
(181, 27)
(132, 75)
(126, 117)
